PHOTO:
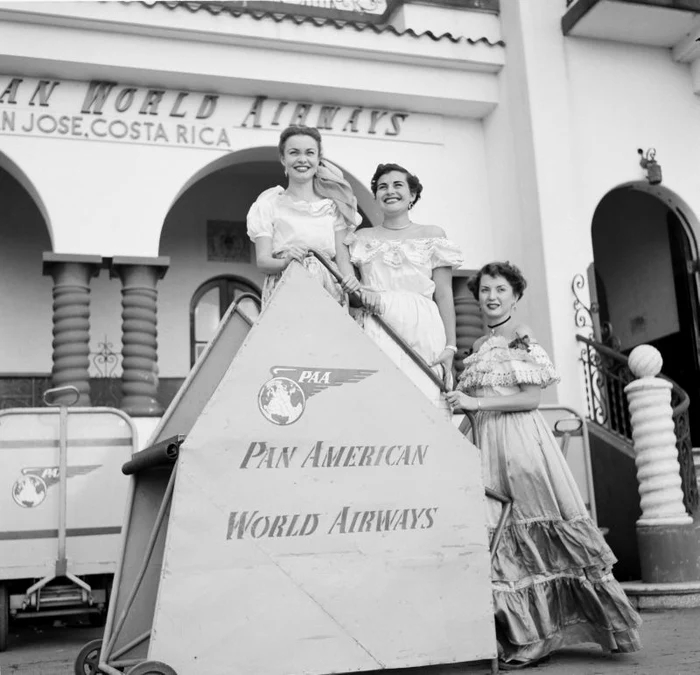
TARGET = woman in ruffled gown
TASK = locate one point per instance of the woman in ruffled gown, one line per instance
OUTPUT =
(552, 579)
(316, 210)
(406, 276)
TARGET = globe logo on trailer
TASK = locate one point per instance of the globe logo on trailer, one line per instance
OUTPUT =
(29, 491)
(282, 399)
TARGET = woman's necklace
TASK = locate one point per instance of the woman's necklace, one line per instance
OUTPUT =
(496, 325)
(394, 229)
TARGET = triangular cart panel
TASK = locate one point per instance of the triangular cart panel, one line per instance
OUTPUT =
(326, 517)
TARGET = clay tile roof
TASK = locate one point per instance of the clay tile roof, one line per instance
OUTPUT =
(216, 8)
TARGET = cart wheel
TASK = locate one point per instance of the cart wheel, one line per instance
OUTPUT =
(89, 658)
(4, 617)
(152, 668)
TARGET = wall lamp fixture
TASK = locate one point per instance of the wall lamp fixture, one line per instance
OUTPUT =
(650, 165)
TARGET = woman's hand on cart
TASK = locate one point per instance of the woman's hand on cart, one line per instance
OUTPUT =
(460, 400)
(297, 253)
(446, 359)
(372, 301)
(351, 284)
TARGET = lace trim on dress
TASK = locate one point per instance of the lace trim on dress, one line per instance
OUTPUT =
(498, 363)
(321, 207)
(263, 211)
(433, 251)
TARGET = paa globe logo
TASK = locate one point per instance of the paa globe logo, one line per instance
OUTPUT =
(30, 489)
(282, 399)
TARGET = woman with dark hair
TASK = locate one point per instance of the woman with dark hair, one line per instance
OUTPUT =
(316, 210)
(552, 579)
(406, 275)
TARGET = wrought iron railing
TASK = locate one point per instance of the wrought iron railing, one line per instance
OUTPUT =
(606, 373)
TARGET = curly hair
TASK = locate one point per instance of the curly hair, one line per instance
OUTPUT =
(507, 270)
(414, 185)
(296, 130)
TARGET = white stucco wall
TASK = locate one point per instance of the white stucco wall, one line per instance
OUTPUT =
(25, 297)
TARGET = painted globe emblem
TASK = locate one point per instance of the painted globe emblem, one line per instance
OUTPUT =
(29, 491)
(281, 400)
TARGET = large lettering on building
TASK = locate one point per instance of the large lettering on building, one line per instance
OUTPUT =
(102, 110)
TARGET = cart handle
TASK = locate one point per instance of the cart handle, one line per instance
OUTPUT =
(416, 358)
(50, 395)
(161, 454)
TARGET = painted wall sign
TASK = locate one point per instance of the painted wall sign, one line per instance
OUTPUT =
(322, 506)
(111, 112)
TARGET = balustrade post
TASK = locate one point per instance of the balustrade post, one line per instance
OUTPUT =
(667, 539)
(139, 277)
(71, 320)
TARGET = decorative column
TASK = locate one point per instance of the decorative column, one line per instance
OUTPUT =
(139, 277)
(71, 320)
(469, 321)
(668, 541)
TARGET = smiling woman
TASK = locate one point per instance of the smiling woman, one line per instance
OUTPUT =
(317, 211)
(552, 576)
(406, 271)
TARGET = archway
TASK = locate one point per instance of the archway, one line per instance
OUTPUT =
(26, 302)
(645, 253)
(204, 235)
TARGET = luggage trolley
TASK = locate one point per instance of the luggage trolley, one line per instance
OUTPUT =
(61, 507)
(124, 648)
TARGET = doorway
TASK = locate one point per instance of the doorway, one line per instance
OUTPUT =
(644, 253)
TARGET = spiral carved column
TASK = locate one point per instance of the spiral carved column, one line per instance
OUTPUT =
(469, 321)
(71, 321)
(139, 277)
(658, 470)
(667, 538)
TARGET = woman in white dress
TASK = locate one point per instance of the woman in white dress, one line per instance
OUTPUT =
(316, 210)
(406, 276)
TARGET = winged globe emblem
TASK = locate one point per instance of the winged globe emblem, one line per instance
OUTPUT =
(282, 399)
(30, 489)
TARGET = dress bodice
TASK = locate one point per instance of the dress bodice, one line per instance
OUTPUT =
(499, 367)
(401, 265)
(292, 222)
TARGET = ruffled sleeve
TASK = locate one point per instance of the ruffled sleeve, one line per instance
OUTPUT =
(501, 364)
(362, 248)
(342, 225)
(261, 214)
(445, 254)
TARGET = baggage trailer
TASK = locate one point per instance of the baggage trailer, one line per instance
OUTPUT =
(448, 576)
(62, 499)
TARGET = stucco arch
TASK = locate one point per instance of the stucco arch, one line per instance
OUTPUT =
(668, 197)
(265, 154)
(9, 165)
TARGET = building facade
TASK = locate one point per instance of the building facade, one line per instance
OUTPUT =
(134, 137)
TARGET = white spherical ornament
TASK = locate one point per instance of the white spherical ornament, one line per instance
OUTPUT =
(645, 361)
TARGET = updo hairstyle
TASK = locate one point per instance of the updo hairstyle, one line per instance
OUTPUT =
(296, 130)
(508, 271)
(414, 185)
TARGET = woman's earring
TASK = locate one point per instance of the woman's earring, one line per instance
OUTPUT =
(410, 206)
(285, 171)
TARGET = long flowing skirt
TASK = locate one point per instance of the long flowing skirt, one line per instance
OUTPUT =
(417, 320)
(552, 578)
(317, 271)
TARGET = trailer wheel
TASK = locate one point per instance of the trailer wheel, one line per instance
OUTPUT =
(152, 668)
(4, 617)
(89, 658)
